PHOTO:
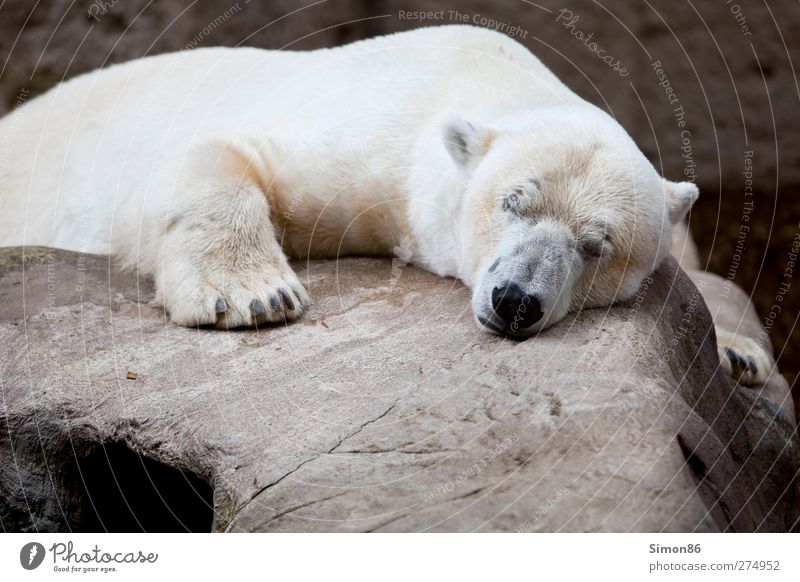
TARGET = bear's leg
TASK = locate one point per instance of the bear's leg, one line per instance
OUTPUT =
(748, 362)
(221, 264)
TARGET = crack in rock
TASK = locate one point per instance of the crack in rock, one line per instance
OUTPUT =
(366, 424)
(247, 503)
(297, 507)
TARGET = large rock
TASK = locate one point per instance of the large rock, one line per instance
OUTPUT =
(729, 66)
(385, 409)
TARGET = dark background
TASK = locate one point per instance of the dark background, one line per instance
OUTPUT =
(737, 87)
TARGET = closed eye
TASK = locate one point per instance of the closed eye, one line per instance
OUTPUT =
(513, 202)
(520, 201)
(597, 248)
(509, 203)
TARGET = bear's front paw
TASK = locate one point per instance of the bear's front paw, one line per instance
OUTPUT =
(744, 359)
(227, 300)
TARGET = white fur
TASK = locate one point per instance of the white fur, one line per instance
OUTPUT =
(198, 166)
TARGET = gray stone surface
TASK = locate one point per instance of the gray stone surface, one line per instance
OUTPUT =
(384, 409)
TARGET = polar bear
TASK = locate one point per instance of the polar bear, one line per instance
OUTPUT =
(208, 169)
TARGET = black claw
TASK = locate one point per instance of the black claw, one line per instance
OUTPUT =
(287, 301)
(220, 306)
(275, 303)
(257, 307)
(299, 293)
(736, 360)
(728, 354)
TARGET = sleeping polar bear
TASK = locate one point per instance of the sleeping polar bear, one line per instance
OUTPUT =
(207, 168)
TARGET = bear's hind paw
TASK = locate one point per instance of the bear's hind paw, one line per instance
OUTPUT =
(744, 359)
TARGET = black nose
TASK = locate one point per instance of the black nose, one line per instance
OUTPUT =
(516, 308)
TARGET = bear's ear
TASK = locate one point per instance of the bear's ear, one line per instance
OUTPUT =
(680, 197)
(466, 141)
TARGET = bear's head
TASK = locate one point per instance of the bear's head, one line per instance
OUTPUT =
(560, 212)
